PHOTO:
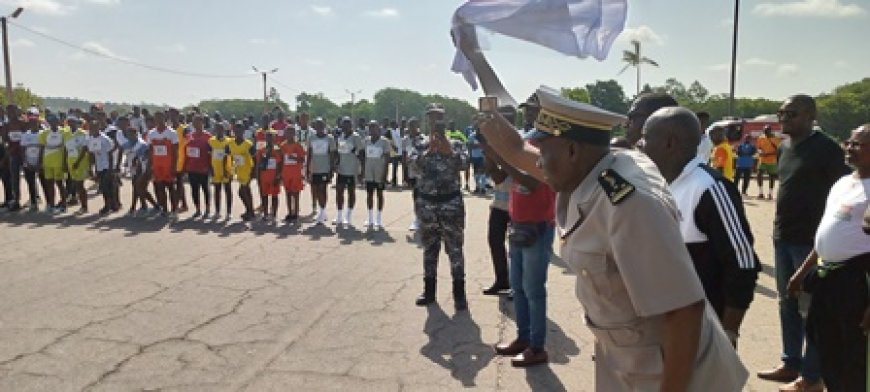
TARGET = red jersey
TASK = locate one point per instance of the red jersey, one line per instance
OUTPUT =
(197, 153)
(528, 206)
(293, 157)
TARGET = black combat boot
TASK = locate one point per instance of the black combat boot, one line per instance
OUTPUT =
(459, 301)
(428, 295)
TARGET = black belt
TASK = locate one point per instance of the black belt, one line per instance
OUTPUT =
(440, 198)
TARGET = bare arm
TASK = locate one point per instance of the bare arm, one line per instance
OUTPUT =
(498, 175)
(505, 140)
(682, 331)
(518, 176)
(796, 282)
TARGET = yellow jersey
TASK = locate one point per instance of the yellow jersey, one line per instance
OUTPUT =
(182, 146)
(219, 150)
(241, 156)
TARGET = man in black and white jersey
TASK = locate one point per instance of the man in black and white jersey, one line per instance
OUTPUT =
(713, 223)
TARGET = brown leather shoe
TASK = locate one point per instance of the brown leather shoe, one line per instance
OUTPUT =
(512, 348)
(802, 385)
(530, 357)
(780, 374)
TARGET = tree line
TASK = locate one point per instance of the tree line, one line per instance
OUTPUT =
(841, 110)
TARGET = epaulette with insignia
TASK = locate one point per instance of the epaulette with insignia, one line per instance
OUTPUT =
(616, 187)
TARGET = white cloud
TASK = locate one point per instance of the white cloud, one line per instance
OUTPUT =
(383, 13)
(841, 64)
(760, 62)
(22, 43)
(810, 8)
(787, 69)
(174, 48)
(98, 48)
(322, 10)
(42, 7)
(642, 33)
(723, 67)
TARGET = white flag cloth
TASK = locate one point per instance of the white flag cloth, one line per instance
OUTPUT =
(574, 27)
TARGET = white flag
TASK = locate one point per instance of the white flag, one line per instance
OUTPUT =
(574, 27)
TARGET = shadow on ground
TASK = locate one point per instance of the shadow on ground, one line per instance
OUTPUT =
(455, 344)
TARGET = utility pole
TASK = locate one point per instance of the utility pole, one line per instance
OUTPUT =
(265, 91)
(9, 97)
(352, 103)
(734, 58)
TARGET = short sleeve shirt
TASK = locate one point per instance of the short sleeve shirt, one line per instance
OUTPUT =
(630, 259)
(839, 236)
(101, 146)
(319, 149)
(376, 154)
(348, 154)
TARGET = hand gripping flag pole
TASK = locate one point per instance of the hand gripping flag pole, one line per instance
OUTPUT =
(578, 28)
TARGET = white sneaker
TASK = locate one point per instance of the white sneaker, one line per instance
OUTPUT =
(336, 221)
(378, 223)
(413, 226)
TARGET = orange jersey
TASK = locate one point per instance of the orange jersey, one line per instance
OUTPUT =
(767, 147)
(293, 158)
(163, 146)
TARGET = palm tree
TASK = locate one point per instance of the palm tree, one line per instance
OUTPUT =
(634, 59)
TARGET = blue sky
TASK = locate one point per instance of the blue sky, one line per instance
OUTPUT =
(328, 46)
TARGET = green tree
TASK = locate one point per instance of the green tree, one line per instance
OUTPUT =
(607, 95)
(22, 96)
(578, 94)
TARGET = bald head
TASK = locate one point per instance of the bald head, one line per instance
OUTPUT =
(671, 136)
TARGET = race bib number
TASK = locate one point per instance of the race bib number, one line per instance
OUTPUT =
(161, 151)
(373, 151)
(290, 159)
(72, 151)
(239, 160)
(15, 136)
(193, 152)
(261, 145)
(280, 132)
(95, 145)
(32, 154)
(320, 147)
(345, 147)
(271, 164)
(249, 134)
(54, 140)
(218, 155)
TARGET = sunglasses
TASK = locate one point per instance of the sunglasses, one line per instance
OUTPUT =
(785, 114)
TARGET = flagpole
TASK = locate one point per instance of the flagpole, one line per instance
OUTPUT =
(734, 58)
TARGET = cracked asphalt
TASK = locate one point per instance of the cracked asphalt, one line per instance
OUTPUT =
(134, 304)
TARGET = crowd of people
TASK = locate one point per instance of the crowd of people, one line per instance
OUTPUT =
(202, 155)
(652, 223)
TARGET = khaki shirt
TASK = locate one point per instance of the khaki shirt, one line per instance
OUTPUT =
(632, 267)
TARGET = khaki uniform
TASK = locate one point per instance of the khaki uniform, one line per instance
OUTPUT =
(620, 236)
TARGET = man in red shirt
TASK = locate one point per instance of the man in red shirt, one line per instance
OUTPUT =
(532, 211)
(197, 164)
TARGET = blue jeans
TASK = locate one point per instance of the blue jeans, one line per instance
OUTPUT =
(528, 276)
(787, 259)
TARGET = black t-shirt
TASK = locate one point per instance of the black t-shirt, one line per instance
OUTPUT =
(807, 172)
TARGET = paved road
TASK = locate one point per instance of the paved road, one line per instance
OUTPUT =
(134, 304)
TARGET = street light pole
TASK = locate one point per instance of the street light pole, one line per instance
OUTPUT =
(734, 58)
(352, 101)
(265, 93)
(9, 96)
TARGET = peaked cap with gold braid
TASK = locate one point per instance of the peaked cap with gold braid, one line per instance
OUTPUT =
(582, 122)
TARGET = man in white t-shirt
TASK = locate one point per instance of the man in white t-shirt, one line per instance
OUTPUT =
(839, 314)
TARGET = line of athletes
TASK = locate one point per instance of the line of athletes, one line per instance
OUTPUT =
(275, 158)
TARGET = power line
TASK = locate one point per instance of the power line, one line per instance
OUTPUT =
(127, 61)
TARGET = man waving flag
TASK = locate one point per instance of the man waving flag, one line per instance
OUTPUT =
(574, 27)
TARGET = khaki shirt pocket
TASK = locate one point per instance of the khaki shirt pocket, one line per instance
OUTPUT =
(592, 270)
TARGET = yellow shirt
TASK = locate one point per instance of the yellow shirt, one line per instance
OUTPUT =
(723, 159)
(241, 156)
(182, 146)
(219, 163)
(53, 143)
